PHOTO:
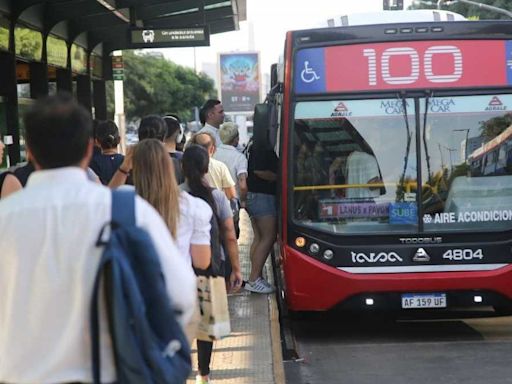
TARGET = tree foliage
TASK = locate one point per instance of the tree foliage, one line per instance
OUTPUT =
(469, 11)
(154, 85)
(28, 43)
(494, 126)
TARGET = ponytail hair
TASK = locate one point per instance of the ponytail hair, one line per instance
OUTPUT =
(107, 134)
(195, 162)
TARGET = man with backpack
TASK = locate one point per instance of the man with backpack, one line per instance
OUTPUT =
(49, 257)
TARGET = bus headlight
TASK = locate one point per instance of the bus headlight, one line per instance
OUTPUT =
(328, 254)
(300, 241)
(314, 248)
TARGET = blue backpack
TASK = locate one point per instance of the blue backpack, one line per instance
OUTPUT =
(149, 344)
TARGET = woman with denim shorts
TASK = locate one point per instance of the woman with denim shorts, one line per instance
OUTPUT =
(261, 206)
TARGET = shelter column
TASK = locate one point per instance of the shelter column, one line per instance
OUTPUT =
(64, 80)
(99, 99)
(38, 80)
(83, 91)
(9, 90)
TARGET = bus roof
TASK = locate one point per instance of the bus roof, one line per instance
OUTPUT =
(491, 145)
(390, 17)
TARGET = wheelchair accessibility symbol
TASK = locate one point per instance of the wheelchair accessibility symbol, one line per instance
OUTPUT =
(308, 74)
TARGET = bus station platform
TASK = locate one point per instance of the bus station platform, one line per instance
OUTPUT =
(252, 353)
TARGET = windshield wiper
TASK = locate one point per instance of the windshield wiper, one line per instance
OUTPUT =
(424, 136)
(408, 146)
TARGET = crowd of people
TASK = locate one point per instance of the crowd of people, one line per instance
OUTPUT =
(52, 209)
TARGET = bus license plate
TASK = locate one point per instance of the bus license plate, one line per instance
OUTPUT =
(426, 300)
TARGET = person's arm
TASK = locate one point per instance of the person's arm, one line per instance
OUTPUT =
(374, 169)
(241, 174)
(242, 184)
(230, 192)
(201, 255)
(231, 247)
(122, 173)
(11, 184)
(375, 180)
(266, 164)
(266, 175)
(227, 229)
(228, 184)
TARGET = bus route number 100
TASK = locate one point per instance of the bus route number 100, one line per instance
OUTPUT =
(415, 65)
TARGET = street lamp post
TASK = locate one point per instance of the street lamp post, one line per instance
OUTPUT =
(484, 6)
(441, 153)
(450, 151)
(466, 146)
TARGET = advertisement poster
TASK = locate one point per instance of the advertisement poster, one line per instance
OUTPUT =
(239, 81)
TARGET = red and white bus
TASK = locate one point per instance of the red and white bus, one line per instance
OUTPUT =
(378, 204)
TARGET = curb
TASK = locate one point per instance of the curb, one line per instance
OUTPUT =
(275, 335)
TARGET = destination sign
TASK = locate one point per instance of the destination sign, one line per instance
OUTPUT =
(404, 65)
(169, 37)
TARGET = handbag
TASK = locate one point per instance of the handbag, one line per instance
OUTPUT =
(213, 305)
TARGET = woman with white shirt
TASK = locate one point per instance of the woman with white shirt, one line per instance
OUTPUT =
(187, 217)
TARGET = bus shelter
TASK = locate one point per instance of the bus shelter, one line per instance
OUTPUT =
(52, 45)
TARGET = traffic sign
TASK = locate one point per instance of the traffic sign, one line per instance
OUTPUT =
(118, 74)
(117, 67)
(169, 37)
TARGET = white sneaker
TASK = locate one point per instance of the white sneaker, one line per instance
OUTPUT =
(200, 380)
(259, 286)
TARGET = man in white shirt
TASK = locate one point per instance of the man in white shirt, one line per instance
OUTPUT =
(212, 116)
(218, 175)
(362, 168)
(233, 159)
(237, 165)
(49, 257)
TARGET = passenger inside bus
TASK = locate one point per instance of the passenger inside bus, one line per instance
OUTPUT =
(331, 152)
(337, 175)
(362, 168)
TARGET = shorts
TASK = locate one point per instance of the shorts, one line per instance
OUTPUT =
(261, 204)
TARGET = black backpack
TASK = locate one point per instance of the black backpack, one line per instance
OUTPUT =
(217, 265)
(177, 168)
(149, 345)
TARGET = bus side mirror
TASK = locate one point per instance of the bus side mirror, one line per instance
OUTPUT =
(264, 126)
(273, 76)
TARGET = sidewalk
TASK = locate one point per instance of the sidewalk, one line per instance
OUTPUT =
(252, 354)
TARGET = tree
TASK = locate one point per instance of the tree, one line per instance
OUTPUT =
(154, 85)
(469, 11)
(494, 126)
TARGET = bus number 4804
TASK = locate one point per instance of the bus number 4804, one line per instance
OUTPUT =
(463, 254)
(415, 67)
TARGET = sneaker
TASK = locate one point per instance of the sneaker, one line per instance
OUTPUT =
(259, 286)
(200, 380)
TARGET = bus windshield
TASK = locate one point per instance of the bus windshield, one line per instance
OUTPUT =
(356, 166)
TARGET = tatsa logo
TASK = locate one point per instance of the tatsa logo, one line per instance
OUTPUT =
(496, 105)
(341, 110)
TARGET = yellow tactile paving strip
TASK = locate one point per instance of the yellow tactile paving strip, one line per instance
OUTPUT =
(246, 357)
